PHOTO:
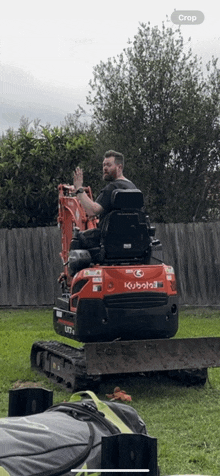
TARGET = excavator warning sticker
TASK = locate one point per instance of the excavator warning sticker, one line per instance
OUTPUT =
(132, 285)
(59, 313)
(169, 270)
(96, 288)
(92, 272)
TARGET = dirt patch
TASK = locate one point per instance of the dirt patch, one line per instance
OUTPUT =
(20, 384)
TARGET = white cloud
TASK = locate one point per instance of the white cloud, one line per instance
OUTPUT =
(49, 48)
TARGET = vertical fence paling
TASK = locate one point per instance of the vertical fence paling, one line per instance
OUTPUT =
(30, 263)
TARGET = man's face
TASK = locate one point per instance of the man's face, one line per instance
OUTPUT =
(110, 169)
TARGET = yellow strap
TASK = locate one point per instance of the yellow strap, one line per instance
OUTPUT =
(86, 473)
(103, 407)
(3, 472)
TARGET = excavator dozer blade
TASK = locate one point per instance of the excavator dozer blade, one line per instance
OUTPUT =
(152, 355)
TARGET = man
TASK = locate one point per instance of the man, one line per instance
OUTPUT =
(113, 165)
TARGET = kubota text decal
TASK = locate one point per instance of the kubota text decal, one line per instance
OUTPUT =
(131, 285)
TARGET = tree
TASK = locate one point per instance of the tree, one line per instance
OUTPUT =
(33, 162)
(154, 103)
(74, 124)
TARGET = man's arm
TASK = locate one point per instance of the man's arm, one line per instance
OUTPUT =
(92, 208)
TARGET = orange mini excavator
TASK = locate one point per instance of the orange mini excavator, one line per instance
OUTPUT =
(118, 298)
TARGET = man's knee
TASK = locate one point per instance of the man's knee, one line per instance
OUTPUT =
(89, 238)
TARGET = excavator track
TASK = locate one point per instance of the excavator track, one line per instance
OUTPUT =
(62, 364)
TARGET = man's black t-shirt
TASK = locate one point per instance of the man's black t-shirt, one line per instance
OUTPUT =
(104, 198)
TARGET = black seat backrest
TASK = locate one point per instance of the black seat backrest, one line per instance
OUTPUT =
(125, 232)
(127, 199)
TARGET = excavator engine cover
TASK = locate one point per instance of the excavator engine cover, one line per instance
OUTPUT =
(119, 302)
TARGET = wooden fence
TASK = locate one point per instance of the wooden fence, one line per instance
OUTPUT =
(30, 263)
(29, 266)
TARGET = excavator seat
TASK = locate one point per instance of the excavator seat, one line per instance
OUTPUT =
(125, 230)
(123, 237)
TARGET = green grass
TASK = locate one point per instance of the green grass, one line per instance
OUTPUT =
(185, 420)
(19, 329)
(199, 322)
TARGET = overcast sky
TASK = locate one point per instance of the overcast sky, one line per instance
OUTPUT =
(49, 48)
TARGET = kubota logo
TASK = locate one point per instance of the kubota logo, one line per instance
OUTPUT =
(138, 273)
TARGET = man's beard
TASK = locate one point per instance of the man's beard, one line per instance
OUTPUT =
(108, 178)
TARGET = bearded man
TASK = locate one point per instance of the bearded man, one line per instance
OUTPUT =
(113, 165)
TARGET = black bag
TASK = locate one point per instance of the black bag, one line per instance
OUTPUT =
(67, 438)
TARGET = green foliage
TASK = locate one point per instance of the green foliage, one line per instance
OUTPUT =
(32, 164)
(153, 103)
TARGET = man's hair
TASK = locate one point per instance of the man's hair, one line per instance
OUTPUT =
(119, 158)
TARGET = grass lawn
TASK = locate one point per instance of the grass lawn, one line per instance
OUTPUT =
(185, 420)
